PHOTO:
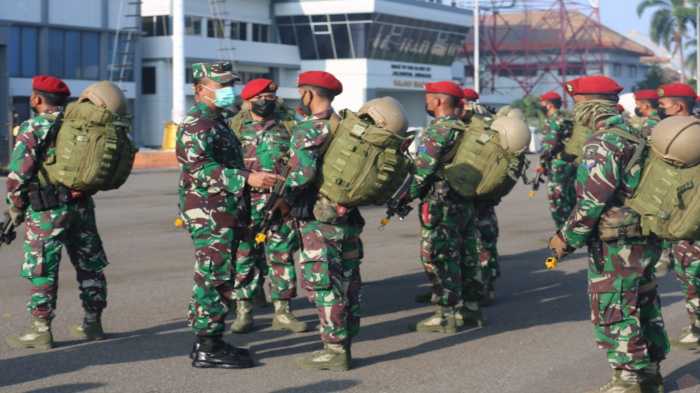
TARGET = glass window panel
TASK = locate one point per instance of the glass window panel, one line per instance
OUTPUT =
(148, 80)
(338, 18)
(90, 55)
(72, 54)
(307, 49)
(325, 46)
(215, 28)
(359, 17)
(300, 20)
(162, 25)
(284, 20)
(13, 58)
(319, 18)
(264, 33)
(238, 31)
(341, 37)
(193, 25)
(148, 25)
(287, 35)
(358, 32)
(56, 52)
(321, 28)
(29, 51)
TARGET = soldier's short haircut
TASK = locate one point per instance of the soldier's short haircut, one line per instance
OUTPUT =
(689, 102)
(52, 98)
(323, 92)
(607, 97)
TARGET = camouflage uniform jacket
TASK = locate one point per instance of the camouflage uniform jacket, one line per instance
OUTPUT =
(24, 163)
(211, 162)
(436, 142)
(648, 123)
(265, 149)
(557, 128)
(602, 180)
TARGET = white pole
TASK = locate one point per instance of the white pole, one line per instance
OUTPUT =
(178, 37)
(477, 49)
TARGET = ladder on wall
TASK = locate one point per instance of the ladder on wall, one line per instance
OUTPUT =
(121, 68)
(220, 16)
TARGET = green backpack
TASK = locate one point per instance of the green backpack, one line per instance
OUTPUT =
(573, 146)
(480, 167)
(93, 150)
(668, 200)
(363, 164)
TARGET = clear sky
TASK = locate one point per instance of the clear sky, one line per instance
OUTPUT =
(621, 15)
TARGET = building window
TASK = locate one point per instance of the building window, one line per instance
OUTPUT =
(56, 52)
(22, 51)
(193, 25)
(89, 55)
(148, 80)
(261, 33)
(215, 28)
(156, 25)
(239, 31)
(72, 58)
(632, 71)
(617, 69)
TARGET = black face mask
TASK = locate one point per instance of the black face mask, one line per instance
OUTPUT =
(429, 112)
(638, 112)
(662, 113)
(263, 108)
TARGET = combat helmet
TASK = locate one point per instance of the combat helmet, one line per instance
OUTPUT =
(107, 95)
(513, 133)
(677, 140)
(509, 111)
(387, 113)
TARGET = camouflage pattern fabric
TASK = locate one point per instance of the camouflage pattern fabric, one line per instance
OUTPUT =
(648, 123)
(625, 305)
(211, 201)
(686, 255)
(561, 173)
(265, 144)
(219, 72)
(330, 246)
(46, 233)
(487, 240)
(448, 238)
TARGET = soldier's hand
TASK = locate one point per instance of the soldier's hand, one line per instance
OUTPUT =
(15, 215)
(559, 246)
(263, 179)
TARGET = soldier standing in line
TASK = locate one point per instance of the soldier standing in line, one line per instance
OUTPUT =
(678, 99)
(559, 168)
(331, 249)
(265, 141)
(54, 217)
(625, 305)
(211, 200)
(646, 105)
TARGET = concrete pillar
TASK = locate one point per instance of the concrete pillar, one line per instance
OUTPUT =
(178, 40)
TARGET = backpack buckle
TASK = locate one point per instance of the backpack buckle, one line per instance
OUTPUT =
(357, 131)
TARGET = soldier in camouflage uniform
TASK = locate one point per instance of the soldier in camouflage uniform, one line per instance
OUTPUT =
(560, 169)
(330, 246)
(448, 237)
(625, 305)
(211, 200)
(70, 222)
(678, 99)
(265, 141)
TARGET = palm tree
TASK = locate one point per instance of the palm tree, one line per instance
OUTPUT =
(670, 23)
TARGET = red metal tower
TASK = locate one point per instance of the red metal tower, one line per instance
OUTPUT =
(536, 40)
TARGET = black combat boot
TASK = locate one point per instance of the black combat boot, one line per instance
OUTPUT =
(213, 352)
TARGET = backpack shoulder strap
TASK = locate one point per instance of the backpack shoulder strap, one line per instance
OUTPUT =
(639, 142)
(42, 151)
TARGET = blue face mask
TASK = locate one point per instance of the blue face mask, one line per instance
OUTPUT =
(225, 97)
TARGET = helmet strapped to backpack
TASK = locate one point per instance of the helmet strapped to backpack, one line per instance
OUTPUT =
(387, 113)
(107, 95)
(514, 134)
(676, 139)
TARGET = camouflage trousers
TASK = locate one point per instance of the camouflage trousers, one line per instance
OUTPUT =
(215, 243)
(625, 304)
(275, 259)
(487, 241)
(686, 256)
(46, 233)
(330, 256)
(561, 190)
(448, 250)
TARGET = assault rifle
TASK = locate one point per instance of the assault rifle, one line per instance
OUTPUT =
(7, 231)
(272, 216)
(537, 181)
(398, 204)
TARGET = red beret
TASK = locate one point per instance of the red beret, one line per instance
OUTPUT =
(258, 86)
(445, 87)
(320, 79)
(648, 94)
(550, 96)
(50, 84)
(677, 90)
(596, 84)
(470, 94)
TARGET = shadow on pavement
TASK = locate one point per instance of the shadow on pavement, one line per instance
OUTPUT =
(686, 377)
(327, 386)
(68, 388)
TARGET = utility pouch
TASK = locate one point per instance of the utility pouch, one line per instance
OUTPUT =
(619, 223)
